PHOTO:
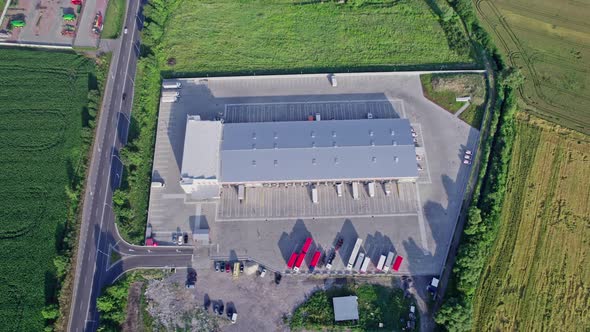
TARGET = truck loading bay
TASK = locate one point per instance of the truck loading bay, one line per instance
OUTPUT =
(267, 224)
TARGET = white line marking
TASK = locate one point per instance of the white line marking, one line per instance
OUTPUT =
(421, 224)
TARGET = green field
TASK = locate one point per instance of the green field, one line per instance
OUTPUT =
(113, 19)
(44, 95)
(443, 89)
(538, 276)
(229, 36)
(549, 40)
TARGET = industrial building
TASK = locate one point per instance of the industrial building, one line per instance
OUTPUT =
(253, 154)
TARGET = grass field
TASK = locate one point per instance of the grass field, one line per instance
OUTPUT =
(44, 95)
(228, 36)
(549, 40)
(113, 20)
(443, 89)
(538, 277)
(376, 304)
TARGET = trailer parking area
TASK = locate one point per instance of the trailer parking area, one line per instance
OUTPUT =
(415, 221)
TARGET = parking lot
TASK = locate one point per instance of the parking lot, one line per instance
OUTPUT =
(51, 22)
(416, 222)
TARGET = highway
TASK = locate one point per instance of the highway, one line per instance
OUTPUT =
(98, 233)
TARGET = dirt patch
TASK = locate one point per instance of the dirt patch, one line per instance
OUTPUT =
(174, 307)
(461, 85)
(132, 322)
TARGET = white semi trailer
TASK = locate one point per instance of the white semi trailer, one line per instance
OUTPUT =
(355, 252)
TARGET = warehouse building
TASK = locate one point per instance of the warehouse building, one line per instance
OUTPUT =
(256, 154)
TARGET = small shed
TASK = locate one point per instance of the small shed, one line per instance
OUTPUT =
(201, 236)
(346, 308)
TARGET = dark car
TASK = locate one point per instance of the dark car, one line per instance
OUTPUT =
(216, 308)
(278, 278)
(221, 307)
(222, 267)
(185, 238)
(331, 258)
(124, 96)
(227, 267)
(191, 279)
(339, 244)
(216, 266)
(241, 267)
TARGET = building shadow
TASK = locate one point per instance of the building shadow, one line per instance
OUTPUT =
(293, 241)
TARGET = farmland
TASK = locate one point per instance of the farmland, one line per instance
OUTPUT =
(44, 97)
(227, 36)
(538, 274)
(550, 42)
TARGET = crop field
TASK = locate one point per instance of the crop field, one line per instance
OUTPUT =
(43, 99)
(538, 276)
(228, 36)
(549, 40)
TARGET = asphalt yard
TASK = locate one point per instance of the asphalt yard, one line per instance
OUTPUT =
(415, 221)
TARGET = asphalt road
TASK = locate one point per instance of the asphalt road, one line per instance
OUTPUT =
(98, 231)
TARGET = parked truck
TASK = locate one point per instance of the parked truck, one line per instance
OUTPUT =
(175, 85)
(299, 261)
(388, 261)
(355, 252)
(359, 262)
(365, 265)
(397, 263)
(306, 245)
(292, 260)
(381, 263)
(315, 260)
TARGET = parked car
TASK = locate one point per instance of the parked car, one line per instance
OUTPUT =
(185, 237)
(227, 267)
(262, 271)
(124, 96)
(222, 267)
(216, 308)
(241, 267)
(179, 239)
(216, 266)
(174, 237)
(466, 162)
(221, 307)
(125, 30)
(468, 152)
(468, 157)
(278, 278)
(191, 279)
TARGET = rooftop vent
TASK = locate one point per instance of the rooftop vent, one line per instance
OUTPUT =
(253, 135)
(392, 132)
(334, 144)
(313, 144)
(253, 162)
(253, 146)
(372, 143)
(335, 160)
(276, 162)
(312, 133)
(313, 161)
(371, 133)
(374, 159)
(276, 135)
(276, 146)
(395, 159)
(333, 133)
(394, 142)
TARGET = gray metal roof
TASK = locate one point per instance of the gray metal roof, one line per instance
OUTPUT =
(345, 308)
(317, 151)
(200, 159)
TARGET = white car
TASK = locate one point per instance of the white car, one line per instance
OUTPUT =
(466, 162)
(468, 157)
(262, 272)
(468, 152)
(125, 30)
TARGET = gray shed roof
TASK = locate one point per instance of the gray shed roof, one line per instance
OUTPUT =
(345, 308)
(317, 151)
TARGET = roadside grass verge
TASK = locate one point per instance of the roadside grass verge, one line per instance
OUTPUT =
(538, 276)
(113, 19)
(281, 36)
(376, 304)
(443, 89)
